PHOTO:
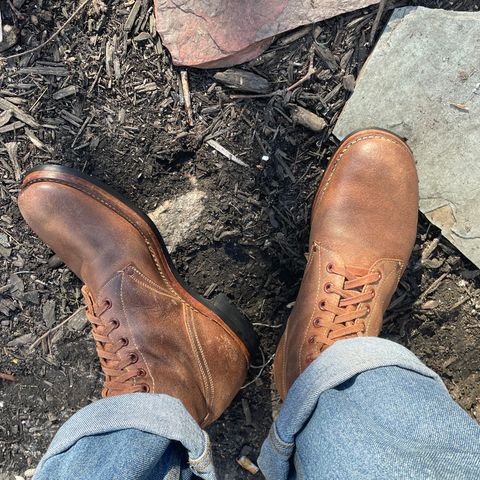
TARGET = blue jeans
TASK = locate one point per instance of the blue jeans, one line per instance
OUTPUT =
(367, 408)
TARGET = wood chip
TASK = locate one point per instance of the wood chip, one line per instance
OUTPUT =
(78, 320)
(48, 313)
(11, 127)
(65, 92)
(5, 117)
(186, 96)
(294, 36)
(243, 80)
(19, 113)
(226, 153)
(307, 119)
(326, 56)
(35, 140)
(71, 118)
(247, 465)
(12, 148)
(132, 16)
(45, 70)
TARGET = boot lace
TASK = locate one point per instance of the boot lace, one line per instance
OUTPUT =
(349, 313)
(119, 379)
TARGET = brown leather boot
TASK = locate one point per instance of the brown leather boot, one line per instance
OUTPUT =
(364, 223)
(153, 334)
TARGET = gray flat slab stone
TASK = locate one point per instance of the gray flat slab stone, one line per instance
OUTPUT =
(422, 82)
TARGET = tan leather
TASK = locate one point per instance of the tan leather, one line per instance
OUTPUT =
(151, 334)
(363, 229)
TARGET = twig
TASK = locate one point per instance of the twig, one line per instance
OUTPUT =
(7, 376)
(376, 22)
(14, 240)
(242, 96)
(266, 325)
(48, 332)
(311, 71)
(219, 148)
(457, 304)
(82, 128)
(55, 35)
(264, 366)
(432, 287)
(186, 96)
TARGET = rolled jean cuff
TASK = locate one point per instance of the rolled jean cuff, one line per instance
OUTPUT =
(339, 363)
(157, 414)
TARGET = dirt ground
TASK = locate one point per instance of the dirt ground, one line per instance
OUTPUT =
(126, 123)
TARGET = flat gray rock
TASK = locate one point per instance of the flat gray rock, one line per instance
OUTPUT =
(423, 83)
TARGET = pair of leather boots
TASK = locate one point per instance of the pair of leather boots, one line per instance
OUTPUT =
(154, 334)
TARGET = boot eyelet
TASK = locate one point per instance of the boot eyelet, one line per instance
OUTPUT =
(314, 248)
(133, 357)
(115, 323)
(316, 322)
(379, 273)
(108, 303)
(322, 304)
(328, 287)
(124, 341)
(367, 310)
(141, 373)
(311, 339)
(330, 268)
(145, 388)
(371, 291)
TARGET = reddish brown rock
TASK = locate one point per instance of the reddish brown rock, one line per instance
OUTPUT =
(222, 33)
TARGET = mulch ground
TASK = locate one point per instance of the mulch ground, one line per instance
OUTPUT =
(111, 103)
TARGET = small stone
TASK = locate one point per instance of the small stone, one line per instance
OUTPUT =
(349, 83)
(178, 218)
(29, 473)
(430, 305)
(55, 261)
(10, 37)
(4, 240)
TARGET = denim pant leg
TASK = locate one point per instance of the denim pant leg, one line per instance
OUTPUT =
(129, 437)
(367, 408)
